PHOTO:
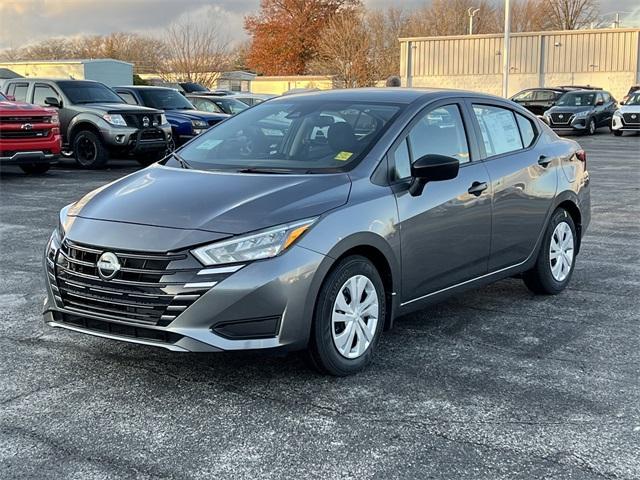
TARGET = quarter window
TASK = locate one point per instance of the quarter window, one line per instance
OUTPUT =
(41, 92)
(402, 161)
(527, 130)
(441, 132)
(499, 129)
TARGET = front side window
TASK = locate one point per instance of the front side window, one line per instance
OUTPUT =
(79, 91)
(41, 92)
(300, 134)
(206, 105)
(499, 130)
(440, 131)
(19, 91)
(128, 97)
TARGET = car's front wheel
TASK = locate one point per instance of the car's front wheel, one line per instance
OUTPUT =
(592, 127)
(349, 316)
(617, 133)
(556, 259)
(89, 150)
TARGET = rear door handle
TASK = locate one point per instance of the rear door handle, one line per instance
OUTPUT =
(543, 161)
(477, 188)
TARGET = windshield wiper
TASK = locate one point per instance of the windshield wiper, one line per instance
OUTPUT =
(183, 163)
(264, 170)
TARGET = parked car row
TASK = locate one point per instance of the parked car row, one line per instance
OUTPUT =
(584, 109)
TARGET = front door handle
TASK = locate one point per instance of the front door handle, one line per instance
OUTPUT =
(543, 161)
(477, 188)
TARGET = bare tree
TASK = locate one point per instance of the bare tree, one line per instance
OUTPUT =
(196, 49)
(450, 17)
(344, 50)
(384, 28)
(572, 14)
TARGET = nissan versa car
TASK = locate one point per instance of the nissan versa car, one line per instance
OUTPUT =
(581, 111)
(312, 221)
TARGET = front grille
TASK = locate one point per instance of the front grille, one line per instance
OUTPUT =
(136, 119)
(561, 118)
(25, 119)
(628, 118)
(10, 134)
(143, 291)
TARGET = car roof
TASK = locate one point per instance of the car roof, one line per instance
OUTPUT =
(46, 79)
(389, 94)
(145, 87)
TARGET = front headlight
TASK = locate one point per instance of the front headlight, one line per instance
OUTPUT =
(163, 119)
(115, 119)
(582, 114)
(617, 113)
(199, 124)
(64, 220)
(54, 118)
(265, 244)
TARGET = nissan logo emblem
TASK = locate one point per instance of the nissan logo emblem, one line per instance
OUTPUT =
(145, 121)
(560, 116)
(634, 116)
(108, 265)
(27, 126)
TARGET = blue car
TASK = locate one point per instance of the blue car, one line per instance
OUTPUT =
(186, 122)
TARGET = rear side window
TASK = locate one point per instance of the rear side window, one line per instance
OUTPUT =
(527, 130)
(500, 132)
(40, 92)
(18, 91)
(441, 132)
(545, 96)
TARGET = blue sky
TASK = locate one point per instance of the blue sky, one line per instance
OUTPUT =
(26, 21)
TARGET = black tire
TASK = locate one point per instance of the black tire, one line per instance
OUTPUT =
(592, 127)
(322, 350)
(89, 151)
(617, 133)
(35, 168)
(540, 278)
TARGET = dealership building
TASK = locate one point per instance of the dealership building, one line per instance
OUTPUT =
(606, 58)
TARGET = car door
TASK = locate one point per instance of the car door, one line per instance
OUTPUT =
(445, 231)
(523, 176)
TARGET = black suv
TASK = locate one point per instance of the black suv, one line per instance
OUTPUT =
(95, 122)
(538, 100)
(581, 111)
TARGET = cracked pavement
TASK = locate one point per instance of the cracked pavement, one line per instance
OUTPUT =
(493, 384)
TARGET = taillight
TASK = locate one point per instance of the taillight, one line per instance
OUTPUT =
(582, 156)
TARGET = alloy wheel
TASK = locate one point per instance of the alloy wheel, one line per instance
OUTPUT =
(355, 316)
(561, 251)
(86, 150)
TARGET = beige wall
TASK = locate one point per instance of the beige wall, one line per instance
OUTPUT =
(50, 70)
(605, 58)
(279, 85)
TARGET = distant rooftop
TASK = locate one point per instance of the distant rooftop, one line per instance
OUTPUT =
(70, 60)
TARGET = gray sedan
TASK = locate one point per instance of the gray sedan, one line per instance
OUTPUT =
(312, 221)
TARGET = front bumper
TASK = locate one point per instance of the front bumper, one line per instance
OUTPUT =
(30, 157)
(263, 305)
(137, 140)
(619, 124)
(573, 125)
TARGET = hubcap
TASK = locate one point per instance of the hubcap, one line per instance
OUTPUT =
(355, 317)
(561, 251)
(86, 150)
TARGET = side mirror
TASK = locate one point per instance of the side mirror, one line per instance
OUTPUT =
(53, 102)
(599, 103)
(432, 168)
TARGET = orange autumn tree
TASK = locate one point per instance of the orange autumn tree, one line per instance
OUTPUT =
(284, 34)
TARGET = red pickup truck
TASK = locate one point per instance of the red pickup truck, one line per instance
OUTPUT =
(29, 136)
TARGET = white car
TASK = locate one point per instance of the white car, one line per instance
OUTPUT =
(627, 117)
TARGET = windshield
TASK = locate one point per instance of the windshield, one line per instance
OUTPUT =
(88, 92)
(164, 99)
(634, 99)
(577, 99)
(231, 105)
(297, 135)
(193, 87)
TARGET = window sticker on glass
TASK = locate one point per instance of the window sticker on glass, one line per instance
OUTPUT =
(343, 156)
(209, 144)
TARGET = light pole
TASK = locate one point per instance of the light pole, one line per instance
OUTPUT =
(506, 55)
(472, 13)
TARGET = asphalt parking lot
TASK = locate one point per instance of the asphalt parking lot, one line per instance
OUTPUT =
(493, 384)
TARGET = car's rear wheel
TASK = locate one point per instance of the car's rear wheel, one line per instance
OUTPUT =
(592, 127)
(35, 168)
(89, 150)
(348, 318)
(556, 259)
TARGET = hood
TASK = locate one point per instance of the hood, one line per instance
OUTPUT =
(21, 108)
(569, 109)
(195, 115)
(629, 109)
(119, 108)
(216, 202)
